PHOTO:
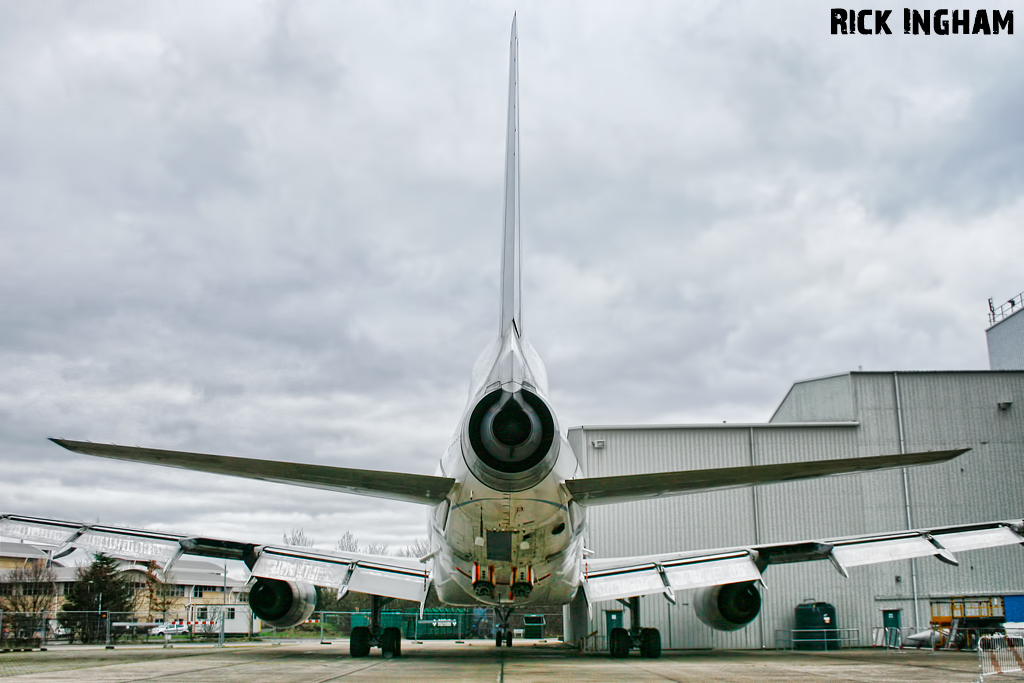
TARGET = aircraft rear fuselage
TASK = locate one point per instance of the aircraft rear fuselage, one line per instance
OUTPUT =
(508, 533)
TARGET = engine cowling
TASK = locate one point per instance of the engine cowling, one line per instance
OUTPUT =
(729, 607)
(511, 439)
(282, 603)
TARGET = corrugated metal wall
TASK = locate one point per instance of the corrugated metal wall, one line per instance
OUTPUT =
(936, 410)
(1006, 343)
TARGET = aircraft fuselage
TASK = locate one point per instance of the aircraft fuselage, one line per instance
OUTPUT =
(507, 538)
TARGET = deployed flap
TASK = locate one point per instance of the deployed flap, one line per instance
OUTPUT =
(128, 544)
(939, 542)
(613, 578)
(603, 490)
(411, 488)
(393, 577)
(630, 577)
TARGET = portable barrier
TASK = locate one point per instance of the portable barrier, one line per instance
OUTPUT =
(999, 654)
(816, 638)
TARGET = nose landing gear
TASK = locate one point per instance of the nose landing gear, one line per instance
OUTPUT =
(502, 632)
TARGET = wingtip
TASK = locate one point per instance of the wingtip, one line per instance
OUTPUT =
(63, 443)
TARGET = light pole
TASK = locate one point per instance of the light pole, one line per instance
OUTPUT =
(224, 605)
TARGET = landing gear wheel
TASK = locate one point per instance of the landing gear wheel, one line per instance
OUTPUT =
(618, 643)
(359, 641)
(650, 643)
(391, 642)
(499, 638)
(508, 639)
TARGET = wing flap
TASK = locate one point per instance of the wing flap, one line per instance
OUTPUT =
(410, 488)
(634, 576)
(620, 489)
(128, 544)
(393, 577)
(614, 578)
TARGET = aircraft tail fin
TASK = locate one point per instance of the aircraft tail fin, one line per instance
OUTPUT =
(510, 264)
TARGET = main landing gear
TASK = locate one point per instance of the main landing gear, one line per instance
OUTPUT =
(389, 639)
(621, 641)
(502, 632)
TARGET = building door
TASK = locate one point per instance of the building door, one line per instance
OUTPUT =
(612, 619)
(891, 621)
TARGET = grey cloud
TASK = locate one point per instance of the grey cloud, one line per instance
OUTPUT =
(273, 231)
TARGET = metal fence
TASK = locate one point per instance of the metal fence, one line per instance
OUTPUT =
(34, 630)
(998, 654)
(31, 630)
(816, 638)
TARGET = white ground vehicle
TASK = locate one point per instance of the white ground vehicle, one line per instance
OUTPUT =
(168, 629)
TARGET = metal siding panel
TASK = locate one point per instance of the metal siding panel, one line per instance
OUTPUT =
(829, 399)
(940, 410)
(1006, 343)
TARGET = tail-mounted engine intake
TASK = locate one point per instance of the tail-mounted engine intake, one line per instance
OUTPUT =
(281, 603)
(729, 607)
(511, 440)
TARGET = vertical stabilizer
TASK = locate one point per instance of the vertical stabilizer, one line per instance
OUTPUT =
(511, 321)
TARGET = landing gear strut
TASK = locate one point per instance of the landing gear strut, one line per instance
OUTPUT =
(502, 632)
(389, 639)
(621, 641)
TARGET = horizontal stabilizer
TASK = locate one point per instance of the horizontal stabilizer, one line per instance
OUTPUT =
(410, 488)
(604, 490)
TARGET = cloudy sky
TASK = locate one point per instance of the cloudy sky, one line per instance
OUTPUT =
(272, 229)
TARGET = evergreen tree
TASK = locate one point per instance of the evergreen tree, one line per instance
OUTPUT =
(100, 588)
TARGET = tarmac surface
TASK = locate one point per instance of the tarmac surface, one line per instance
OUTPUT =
(451, 661)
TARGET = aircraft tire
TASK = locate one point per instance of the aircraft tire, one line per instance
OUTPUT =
(618, 643)
(508, 638)
(391, 642)
(499, 638)
(650, 643)
(359, 642)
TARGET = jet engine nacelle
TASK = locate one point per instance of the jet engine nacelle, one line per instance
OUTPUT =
(281, 603)
(729, 607)
(510, 440)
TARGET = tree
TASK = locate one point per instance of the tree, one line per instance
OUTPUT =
(298, 537)
(28, 588)
(160, 592)
(347, 543)
(418, 548)
(376, 549)
(100, 588)
(25, 592)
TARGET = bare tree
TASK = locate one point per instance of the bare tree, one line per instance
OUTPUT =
(159, 591)
(31, 587)
(347, 543)
(418, 548)
(298, 537)
(376, 549)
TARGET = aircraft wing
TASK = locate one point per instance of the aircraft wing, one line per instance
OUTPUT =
(393, 577)
(620, 489)
(411, 488)
(610, 579)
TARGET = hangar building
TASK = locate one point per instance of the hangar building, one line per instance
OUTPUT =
(848, 415)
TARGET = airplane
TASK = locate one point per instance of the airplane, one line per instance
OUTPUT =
(507, 508)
